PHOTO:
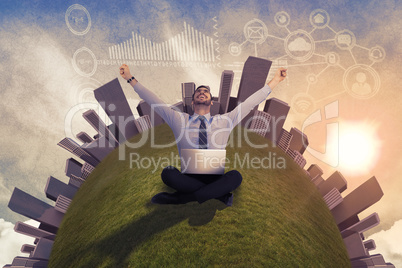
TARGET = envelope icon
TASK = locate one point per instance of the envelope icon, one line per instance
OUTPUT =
(255, 32)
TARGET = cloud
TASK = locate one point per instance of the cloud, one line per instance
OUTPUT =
(11, 242)
(299, 44)
(388, 244)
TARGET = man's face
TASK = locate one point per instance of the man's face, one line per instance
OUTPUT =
(202, 96)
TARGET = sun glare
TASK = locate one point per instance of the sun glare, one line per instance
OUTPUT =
(359, 147)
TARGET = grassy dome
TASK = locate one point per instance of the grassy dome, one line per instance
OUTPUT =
(278, 218)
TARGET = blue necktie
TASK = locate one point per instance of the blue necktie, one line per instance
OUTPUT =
(203, 140)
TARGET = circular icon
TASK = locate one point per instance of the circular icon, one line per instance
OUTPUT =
(78, 19)
(312, 78)
(255, 31)
(332, 58)
(319, 18)
(345, 39)
(282, 19)
(361, 81)
(299, 45)
(303, 103)
(84, 62)
(377, 54)
(234, 49)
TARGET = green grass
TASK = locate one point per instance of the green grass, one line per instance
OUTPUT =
(278, 219)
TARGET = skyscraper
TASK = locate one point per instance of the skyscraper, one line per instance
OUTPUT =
(187, 90)
(73, 167)
(112, 99)
(358, 200)
(299, 140)
(260, 122)
(254, 76)
(284, 139)
(98, 149)
(75, 149)
(225, 90)
(96, 122)
(31, 207)
(143, 123)
(144, 108)
(84, 137)
(278, 111)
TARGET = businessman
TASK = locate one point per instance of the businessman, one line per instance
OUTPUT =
(200, 131)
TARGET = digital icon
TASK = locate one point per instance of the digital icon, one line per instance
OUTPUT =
(361, 86)
(282, 19)
(319, 18)
(312, 78)
(299, 45)
(377, 54)
(84, 62)
(234, 49)
(361, 81)
(345, 39)
(78, 19)
(255, 31)
(303, 103)
(332, 58)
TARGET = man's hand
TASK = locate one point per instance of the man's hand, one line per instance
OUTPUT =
(280, 75)
(125, 72)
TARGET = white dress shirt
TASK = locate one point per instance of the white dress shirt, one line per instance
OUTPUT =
(186, 128)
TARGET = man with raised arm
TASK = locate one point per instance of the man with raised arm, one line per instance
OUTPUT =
(186, 129)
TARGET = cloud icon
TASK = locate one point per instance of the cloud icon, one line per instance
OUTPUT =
(299, 44)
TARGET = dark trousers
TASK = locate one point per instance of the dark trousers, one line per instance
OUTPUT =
(200, 187)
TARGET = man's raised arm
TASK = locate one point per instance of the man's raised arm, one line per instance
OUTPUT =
(148, 96)
(245, 107)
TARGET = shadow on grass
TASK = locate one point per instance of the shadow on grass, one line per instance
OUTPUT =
(117, 247)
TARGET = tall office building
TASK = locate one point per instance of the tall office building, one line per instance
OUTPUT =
(75, 149)
(215, 108)
(112, 99)
(225, 90)
(260, 122)
(187, 90)
(143, 123)
(55, 187)
(336, 180)
(358, 200)
(299, 140)
(253, 78)
(232, 104)
(98, 149)
(278, 111)
(314, 170)
(284, 139)
(96, 122)
(144, 108)
(86, 170)
(73, 167)
(29, 230)
(31, 207)
(84, 137)
(297, 157)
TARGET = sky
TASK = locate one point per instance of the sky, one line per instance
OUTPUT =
(342, 58)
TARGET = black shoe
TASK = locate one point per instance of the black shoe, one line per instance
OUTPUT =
(166, 198)
(227, 199)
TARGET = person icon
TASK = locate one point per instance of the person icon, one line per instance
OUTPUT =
(360, 87)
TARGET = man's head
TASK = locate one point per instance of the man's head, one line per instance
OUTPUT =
(202, 96)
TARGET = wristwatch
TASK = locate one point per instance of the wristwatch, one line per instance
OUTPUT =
(131, 79)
